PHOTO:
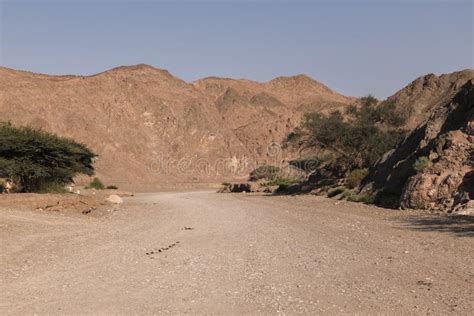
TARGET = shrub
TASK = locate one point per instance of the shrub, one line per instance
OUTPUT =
(112, 187)
(421, 164)
(264, 172)
(368, 198)
(282, 181)
(355, 177)
(96, 184)
(336, 191)
(350, 196)
(37, 161)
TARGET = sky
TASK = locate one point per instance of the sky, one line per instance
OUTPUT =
(354, 47)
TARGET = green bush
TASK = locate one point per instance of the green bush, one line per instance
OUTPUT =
(355, 177)
(264, 172)
(336, 191)
(367, 198)
(96, 184)
(282, 181)
(38, 161)
(421, 164)
(112, 187)
(350, 196)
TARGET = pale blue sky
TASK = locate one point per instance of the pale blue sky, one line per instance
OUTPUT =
(355, 47)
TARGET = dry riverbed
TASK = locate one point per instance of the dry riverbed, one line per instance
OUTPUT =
(208, 253)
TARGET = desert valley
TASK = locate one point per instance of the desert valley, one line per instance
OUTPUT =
(308, 224)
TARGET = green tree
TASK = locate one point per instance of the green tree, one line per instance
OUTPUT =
(35, 160)
(358, 138)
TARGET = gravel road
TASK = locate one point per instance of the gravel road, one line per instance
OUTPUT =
(208, 253)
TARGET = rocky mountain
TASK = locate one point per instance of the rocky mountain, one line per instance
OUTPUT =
(150, 127)
(444, 143)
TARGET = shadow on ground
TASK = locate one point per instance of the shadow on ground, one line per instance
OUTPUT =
(462, 226)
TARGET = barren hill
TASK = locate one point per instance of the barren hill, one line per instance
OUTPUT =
(150, 127)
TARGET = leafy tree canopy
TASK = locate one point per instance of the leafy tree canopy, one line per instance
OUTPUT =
(35, 159)
(358, 138)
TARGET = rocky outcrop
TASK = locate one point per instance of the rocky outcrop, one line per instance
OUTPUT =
(446, 139)
(447, 182)
(249, 187)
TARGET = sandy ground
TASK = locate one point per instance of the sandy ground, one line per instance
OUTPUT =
(208, 253)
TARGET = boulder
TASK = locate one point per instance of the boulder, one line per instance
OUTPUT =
(115, 199)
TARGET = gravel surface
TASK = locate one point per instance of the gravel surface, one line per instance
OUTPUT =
(208, 253)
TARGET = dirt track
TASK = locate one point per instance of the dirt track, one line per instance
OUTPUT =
(202, 253)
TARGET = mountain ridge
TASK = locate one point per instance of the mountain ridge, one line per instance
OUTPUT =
(146, 124)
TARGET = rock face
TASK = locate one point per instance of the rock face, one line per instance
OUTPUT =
(448, 181)
(446, 138)
(149, 127)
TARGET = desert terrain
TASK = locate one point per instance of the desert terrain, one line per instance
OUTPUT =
(237, 157)
(206, 253)
(152, 129)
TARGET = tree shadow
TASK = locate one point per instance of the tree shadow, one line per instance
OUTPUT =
(462, 226)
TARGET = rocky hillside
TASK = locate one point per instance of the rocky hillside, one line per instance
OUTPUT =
(150, 127)
(429, 92)
(434, 167)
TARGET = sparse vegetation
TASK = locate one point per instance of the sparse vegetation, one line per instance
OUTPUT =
(38, 161)
(264, 172)
(282, 181)
(421, 164)
(359, 138)
(96, 184)
(350, 196)
(336, 191)
(368, 198)
(354, 141)
(355, 177)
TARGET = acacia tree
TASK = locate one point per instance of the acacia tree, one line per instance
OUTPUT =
(36, 160)
(358, 138)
